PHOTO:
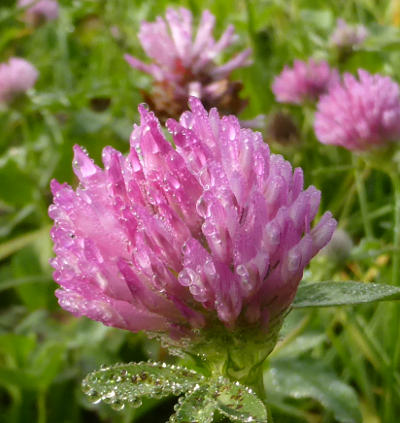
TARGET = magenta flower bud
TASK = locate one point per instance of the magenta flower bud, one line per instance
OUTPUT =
(347, 36)
(42, 10)
(16, 77)
(305, 81)
(360, 114)
(173, 240)
(185, 64)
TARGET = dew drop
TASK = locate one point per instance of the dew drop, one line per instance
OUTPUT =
(232, 133)
(109, 397)
(174, 182)
(242, 271)
(118, 405)
(135, 402)
(185, 248)
(94, 397)
(88, 390)
(209, 268)
(208, 228)
(186, 277)
(202, 207)
(205, 178)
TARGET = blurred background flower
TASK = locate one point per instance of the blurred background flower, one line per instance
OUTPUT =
(39, 11)
(16, 77)
(360, 114)
(347, 36)
(304, 82)
(184, 64)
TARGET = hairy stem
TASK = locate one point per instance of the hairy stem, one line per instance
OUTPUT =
(257, 386)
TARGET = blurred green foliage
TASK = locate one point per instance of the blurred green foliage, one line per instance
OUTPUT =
(332, 364)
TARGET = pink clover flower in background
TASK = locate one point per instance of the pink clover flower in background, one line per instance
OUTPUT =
(184, 63)
(16, 77)
(42, 10)
(303, 82)
(345, 35)
(360, 114)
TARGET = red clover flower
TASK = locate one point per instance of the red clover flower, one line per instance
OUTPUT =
(174, 240)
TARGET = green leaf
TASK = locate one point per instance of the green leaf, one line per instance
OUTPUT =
(382, 36)
(238, 402)
(309, 379)
(196, 407)
(16, 348)
(301, 344)
(10, 247)
(17, 187)
(47, 363)
(26, 263)
(326, 294)
(127, 383)
(17, 377)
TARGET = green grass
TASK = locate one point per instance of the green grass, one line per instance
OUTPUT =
(332, 362)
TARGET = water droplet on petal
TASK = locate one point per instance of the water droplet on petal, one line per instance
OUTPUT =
(186, 277)
(209, 268)
(208, 228)
(202, 207)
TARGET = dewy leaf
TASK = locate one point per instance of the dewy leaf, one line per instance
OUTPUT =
(196, 407)
(325, 294)
(238, 402)
(126, 383)
(308, 379)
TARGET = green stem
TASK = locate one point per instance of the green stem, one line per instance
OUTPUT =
(395, 312)
(41, 405)
(396, 229)
(362, 196)
(270, 418)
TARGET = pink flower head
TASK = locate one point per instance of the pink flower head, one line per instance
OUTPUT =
(16, 77)
(185, 64)
(42, 10)
(360, 114)
(168, 240)
(306, 81)
(345, 35)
